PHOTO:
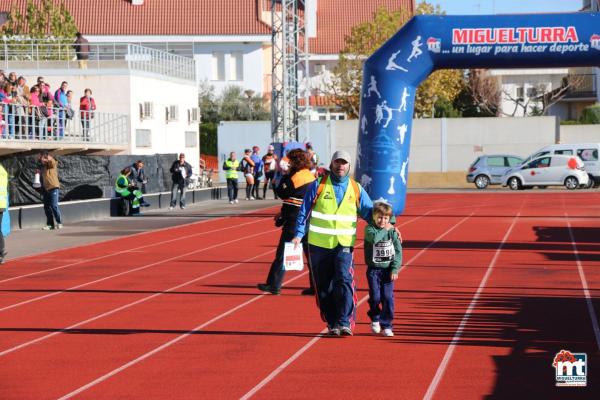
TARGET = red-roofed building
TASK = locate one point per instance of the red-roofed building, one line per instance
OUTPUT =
(230, 39)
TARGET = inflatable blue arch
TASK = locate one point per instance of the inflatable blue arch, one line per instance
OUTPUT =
(428, 42)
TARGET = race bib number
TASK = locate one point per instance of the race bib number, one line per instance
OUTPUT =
(383, 251)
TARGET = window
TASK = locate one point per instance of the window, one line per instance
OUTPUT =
(146, 110)
(520, 92)
(236, 66)
(172, 113)
(540, 163)
(143, 138)
(191, 139)
(496, 162)
(319, 68)
(218, 67)
(513, 161)
(564, 152)
(588, 154)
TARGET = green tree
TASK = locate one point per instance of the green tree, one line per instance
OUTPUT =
(364, 40)
(49, 20)
(234, 104)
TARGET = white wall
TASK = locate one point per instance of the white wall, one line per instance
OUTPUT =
(253, 65)
(580, 133)
(167, 137)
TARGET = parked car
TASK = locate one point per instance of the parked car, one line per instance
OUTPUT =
(588, 152)
(548, 170)
(489, 169)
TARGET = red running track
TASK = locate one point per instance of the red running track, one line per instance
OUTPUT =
(493, 285)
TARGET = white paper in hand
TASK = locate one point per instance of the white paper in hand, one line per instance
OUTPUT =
(292, 258)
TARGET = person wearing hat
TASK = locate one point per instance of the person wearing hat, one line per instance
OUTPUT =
(270, 164)
(181, 171)
(330, 211)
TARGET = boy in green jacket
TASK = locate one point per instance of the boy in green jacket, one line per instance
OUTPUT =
(383, 255)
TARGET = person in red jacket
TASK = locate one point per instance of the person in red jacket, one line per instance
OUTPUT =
(87, 106)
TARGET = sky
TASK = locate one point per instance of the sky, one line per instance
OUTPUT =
(469, 7)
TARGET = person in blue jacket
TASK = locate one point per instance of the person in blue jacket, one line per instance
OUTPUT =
(329, 212)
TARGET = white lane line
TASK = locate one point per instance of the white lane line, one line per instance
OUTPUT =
(308, 345)
(132, 270)
(584, 284)
(450, 350)
(123, 307)
(169, 343)
(127, 250)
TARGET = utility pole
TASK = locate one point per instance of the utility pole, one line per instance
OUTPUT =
(290, 56)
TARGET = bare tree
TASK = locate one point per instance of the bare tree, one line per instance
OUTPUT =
(543, 99)
(484, 90)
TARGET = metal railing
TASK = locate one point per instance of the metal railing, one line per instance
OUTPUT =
(21, 123)
(24, 53)
(584, 85)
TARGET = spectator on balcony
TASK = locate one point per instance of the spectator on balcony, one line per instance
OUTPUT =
(8, 101)
(69, 111)
(47, 120)
(22, 108)
(34, 113)
(12, 78)
(61, 103)
(82, 50)
(87, 106)
(181, 171)
(44, 89)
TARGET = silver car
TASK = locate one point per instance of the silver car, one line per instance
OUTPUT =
(489, 169)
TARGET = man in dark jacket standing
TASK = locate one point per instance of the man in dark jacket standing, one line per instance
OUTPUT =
(82, 50)
(181, 171)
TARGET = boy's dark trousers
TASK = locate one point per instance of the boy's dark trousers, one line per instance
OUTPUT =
(381, 296)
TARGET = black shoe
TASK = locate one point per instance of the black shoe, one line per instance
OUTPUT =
(145, 204)
(308, 292)
(267, 288)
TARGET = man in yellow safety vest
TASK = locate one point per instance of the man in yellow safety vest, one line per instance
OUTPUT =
(331, 206)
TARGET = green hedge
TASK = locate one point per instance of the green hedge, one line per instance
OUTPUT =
(591, 114)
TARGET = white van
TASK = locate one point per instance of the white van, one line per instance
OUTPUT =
(588, 152)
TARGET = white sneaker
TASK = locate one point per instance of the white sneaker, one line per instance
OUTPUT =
(247, 198)
(375, 327)
(171, 208)
(231, 202)
(252, 198)
(388, 332)
(236, 201)
(59, 226)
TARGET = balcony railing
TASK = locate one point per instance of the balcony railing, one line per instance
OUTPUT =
(22, 53)
(585, 86)
(20, 123)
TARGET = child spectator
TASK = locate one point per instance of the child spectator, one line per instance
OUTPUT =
(383, 256)
(47, 120)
